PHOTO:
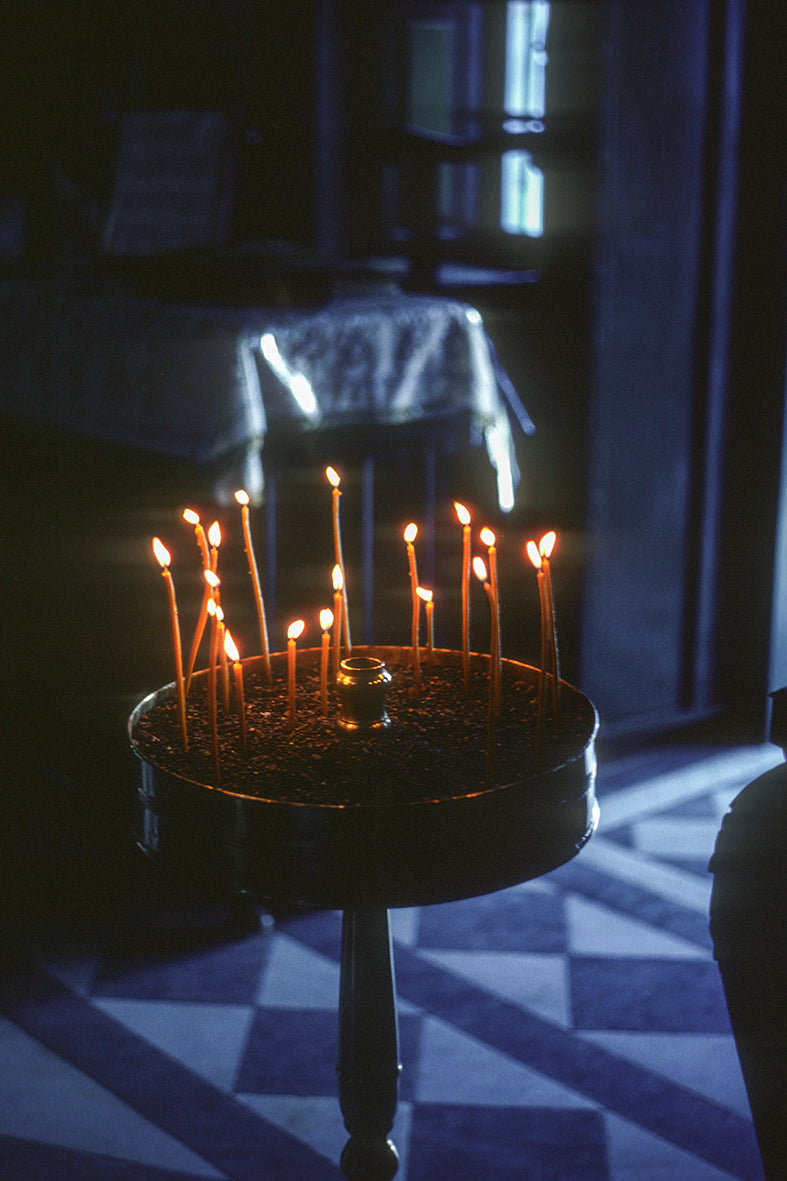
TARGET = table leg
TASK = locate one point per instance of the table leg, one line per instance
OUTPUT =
(368, 1065)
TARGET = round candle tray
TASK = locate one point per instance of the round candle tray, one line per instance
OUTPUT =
(477, 838)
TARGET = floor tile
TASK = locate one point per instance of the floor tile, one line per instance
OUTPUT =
(456, 1068)
(596, 930)
(663, 996)
(705, 1063)
(208, 1039)
(637, 1155)
(44, 1098)
(536, 982)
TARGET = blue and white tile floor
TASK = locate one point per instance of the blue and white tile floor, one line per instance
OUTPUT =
(573, 1028)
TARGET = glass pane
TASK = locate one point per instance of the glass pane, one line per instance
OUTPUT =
(526, 58)
(521, 195)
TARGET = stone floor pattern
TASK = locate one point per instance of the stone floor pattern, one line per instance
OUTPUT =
(573, 1028)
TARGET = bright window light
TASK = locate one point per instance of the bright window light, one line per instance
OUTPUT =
(521, 195)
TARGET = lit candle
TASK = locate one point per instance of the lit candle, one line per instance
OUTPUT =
(479, 569)
(212, 721)
(338, 610)
(193, 519)
(225, 672)
(488, 539)
(162, 557)
(464, 520)
(410, 534)
(214, 537)
(545, 548)
(326, 622)
(293, 631)
(231, 651)
(243, 500)
(334, 480)
(535, 558)
(428, 599)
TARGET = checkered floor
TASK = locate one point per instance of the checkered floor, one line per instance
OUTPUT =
(572, 1028)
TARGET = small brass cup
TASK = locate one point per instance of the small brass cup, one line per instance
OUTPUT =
(361, 685)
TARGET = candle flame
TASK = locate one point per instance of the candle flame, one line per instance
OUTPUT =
(337, 577)
(533, 554)
(326, 619)
(219, 613)
(190, 516)
(547, 543)
(211, 607)
(295, 629)
(161, 552)
(487, 537)
(410, 533)
(214, 535)
(333, 477)
(424, 594)
(241, 496)
(479, 569)
(462, 513)
(230, 647)
(212, 579)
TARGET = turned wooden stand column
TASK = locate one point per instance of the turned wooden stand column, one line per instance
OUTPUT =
(368, 1066)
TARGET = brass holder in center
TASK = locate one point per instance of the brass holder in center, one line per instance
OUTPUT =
(361, 686)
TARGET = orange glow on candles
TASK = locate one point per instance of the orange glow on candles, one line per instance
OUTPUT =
(427, 598)
(550, 656)
(545, 548)
(488, 539)
(338, 611)
(192, 518)
(214, 538)
(242, 498)
(535, 558)
(225, 672)
(410, 534)
(232, 654)
(464, 520)
(326, 623)
(334, 480)
(212, 720)
(479, 569)
(293, 631)
(163, 558)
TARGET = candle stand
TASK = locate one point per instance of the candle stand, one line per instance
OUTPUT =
(365, 859)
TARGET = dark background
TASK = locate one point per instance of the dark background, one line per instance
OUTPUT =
(650, 352)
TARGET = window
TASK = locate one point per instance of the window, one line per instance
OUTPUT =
(474, 102)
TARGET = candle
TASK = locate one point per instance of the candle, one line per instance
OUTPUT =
(338, 611)
(225, 672)
(488, 539)
(410, 534)
(231, 652)
(211, 564)
(535, 558)
(428, 598)
(326, 622)
(334, 480)
(212, 721)
(163, 558)
(214, 537)
(293, 631)
(545, 548)
(464, 520)
(243, 500)
(479, 569)
(193, 519)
